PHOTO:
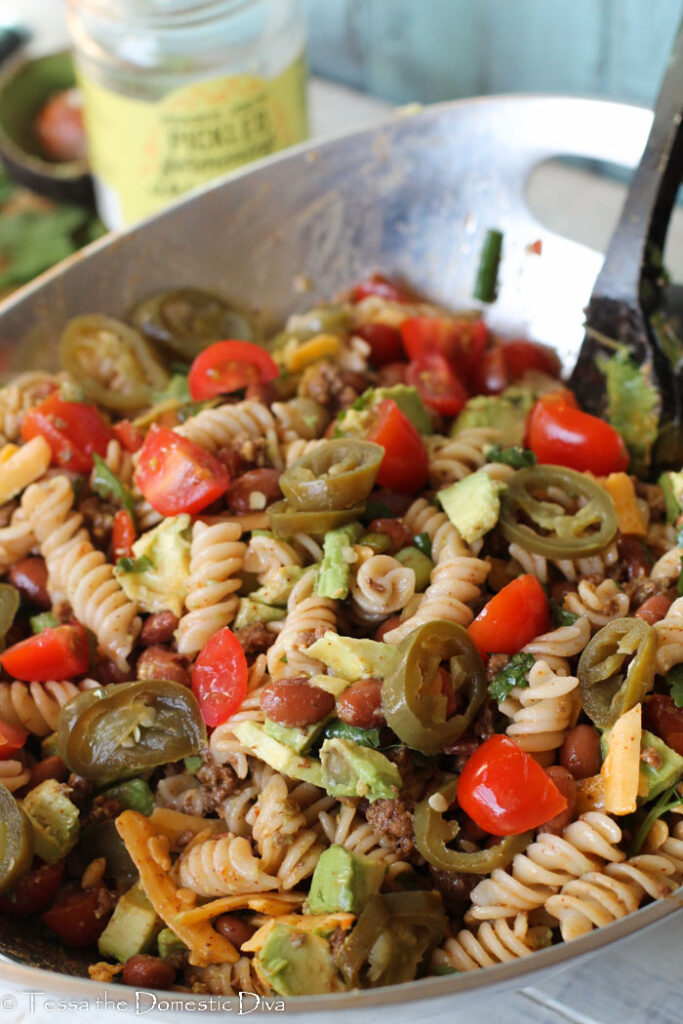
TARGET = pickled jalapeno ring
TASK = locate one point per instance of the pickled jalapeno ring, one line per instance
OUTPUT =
(285, 521)
(16, 841)
(185, 320)
(565, 534)
(334, 475)
(608, 686)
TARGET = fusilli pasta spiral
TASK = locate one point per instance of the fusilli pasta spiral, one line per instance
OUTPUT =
(308, 618)
(453, 458)
(380, 587)
(223, 865)
(36, 706)
(217, 428)
(494, 943)
(216, 558)
(543, 711)
(599, 602)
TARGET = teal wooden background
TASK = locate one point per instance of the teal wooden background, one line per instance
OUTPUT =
(428, 50)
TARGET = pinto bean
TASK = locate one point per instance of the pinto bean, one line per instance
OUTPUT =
(635, 556)
(159, 628)
(387, 626)
(234, 928)
(294, 702)
(580, 753)
(29, 576)
(396, 530)
(560, 589)
(567, 787)
(654, 609)
(143, 971)
(254, 491)
(160, 663)
(361, 704)
(49, 768)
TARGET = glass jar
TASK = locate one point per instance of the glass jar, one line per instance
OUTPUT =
(177, 92)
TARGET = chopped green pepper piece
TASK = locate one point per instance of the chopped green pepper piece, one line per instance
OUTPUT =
(489, 261)
(560, 615)
(423, 543)
(608, 688)
(420, 563)
(379, 542)
(334, 475)
(141, 564)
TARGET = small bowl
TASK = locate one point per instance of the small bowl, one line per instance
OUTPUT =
(24, 87)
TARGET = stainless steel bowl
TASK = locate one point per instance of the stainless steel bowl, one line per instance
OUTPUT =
(413, 198)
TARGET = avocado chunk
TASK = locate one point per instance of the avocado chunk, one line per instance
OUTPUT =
(663, 766)
(132, 929)
(354, 659)
(168, 943)
(280, 757)
(335, 570)
(296, 963)
(351, 770)
(134, 794)
(343, 881)
(278, 586)
(251, 612)
(297, 738)
(421, 565)
(354, 420)
(506, 413)
(54, 819)
(157, 577)
(672, 485)
(472, 504)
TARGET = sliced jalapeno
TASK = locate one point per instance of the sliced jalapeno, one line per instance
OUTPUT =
(412, 698)
(285, 521)
(186, 320)
(112, 362)
(334, 475)
(16, 841)
(433, 833)
(118, 731)
(609, 686)
(564, 534)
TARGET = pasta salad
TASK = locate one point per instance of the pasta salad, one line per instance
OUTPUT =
(335, 660)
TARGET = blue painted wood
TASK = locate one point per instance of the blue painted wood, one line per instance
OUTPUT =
(429, 50)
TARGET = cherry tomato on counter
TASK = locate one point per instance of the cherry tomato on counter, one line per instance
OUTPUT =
(175, 475)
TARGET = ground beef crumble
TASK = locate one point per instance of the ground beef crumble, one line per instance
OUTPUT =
(217, 783)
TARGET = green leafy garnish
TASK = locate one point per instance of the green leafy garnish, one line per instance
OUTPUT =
(46, 620)
(517, 457)
(669, 799)
(141, 564)
(423, 543)
(514, 674)
(363, 737)
(31, 241)
(107, 485)
(674, 681)
(632, 406)
(561, 617)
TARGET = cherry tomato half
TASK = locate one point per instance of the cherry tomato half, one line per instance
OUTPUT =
(513, 617)
(175, 475)
(12, 739)
(489, 376)
(228, 366)
(73, 430)
(35, 891)
(219, 677)
(664, 719)
(79, 917)
(59, 652)
(505, 791)
(562, 435)
(460, 341)
(405, 462)
(378, 284)
(122, 535)
(130, 437)
(384, 341)
(437, 384)
(522, 356)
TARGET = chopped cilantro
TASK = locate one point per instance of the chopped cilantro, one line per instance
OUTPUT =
(561, 617)
(674, 681)
(669, 799)
(514, 674)
(141, 564)
(363, 737)
(632, 406)
(423, 543)
(517, 457)
(107, 485)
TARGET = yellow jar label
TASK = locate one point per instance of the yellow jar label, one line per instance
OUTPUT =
(146, 154)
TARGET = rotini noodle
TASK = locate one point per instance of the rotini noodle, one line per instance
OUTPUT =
(308, 618)
(380, 587)
(223, 865)
(36, 706)
(543, 711)
(600, 603)
(216, 559)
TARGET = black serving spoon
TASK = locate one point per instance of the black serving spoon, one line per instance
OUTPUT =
(629, 287)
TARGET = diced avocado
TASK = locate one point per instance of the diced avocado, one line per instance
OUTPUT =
(277, 755)
(335, 572)
(192, 764)
(134, 794)
(353, 423)
(422, 566)
(472, 504)
(168, 943)
(506, 414)
(54, 819)
(343, 881)
(250, 612)
(354, 659)
(409, 402)
(162, 584)
(663, 766)
(672, 485)
(333, 684)
(633, 405)
(132, 929)
(296, 963)
(296, 738)
(278, 586)
(351, 770)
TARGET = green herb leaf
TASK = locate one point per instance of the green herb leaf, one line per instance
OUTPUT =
(423, 543)
(517, 457)
(31, 241)
(514, 674)
(46, 620)
(632, 406)
(674, 681)
(141, 564)
(363, 737)
(107, 485)
(561, 617)
(669, 799)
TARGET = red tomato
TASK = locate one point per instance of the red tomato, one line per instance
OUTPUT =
(378, 284)
(460, 341)
(59, 652)
(384, 341)
(489, 376)
(513, 617)
(12, 739)
(562, 435)
(59, 127)
(176, 475)
(437, 384)
(73, 430)
(130, 437)
(228, 366)
(664, 719)
(405, 462)
(122, 535)
(79, 917)
(35, 891)
(505, 791)
(522, 356)
(219, 677)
